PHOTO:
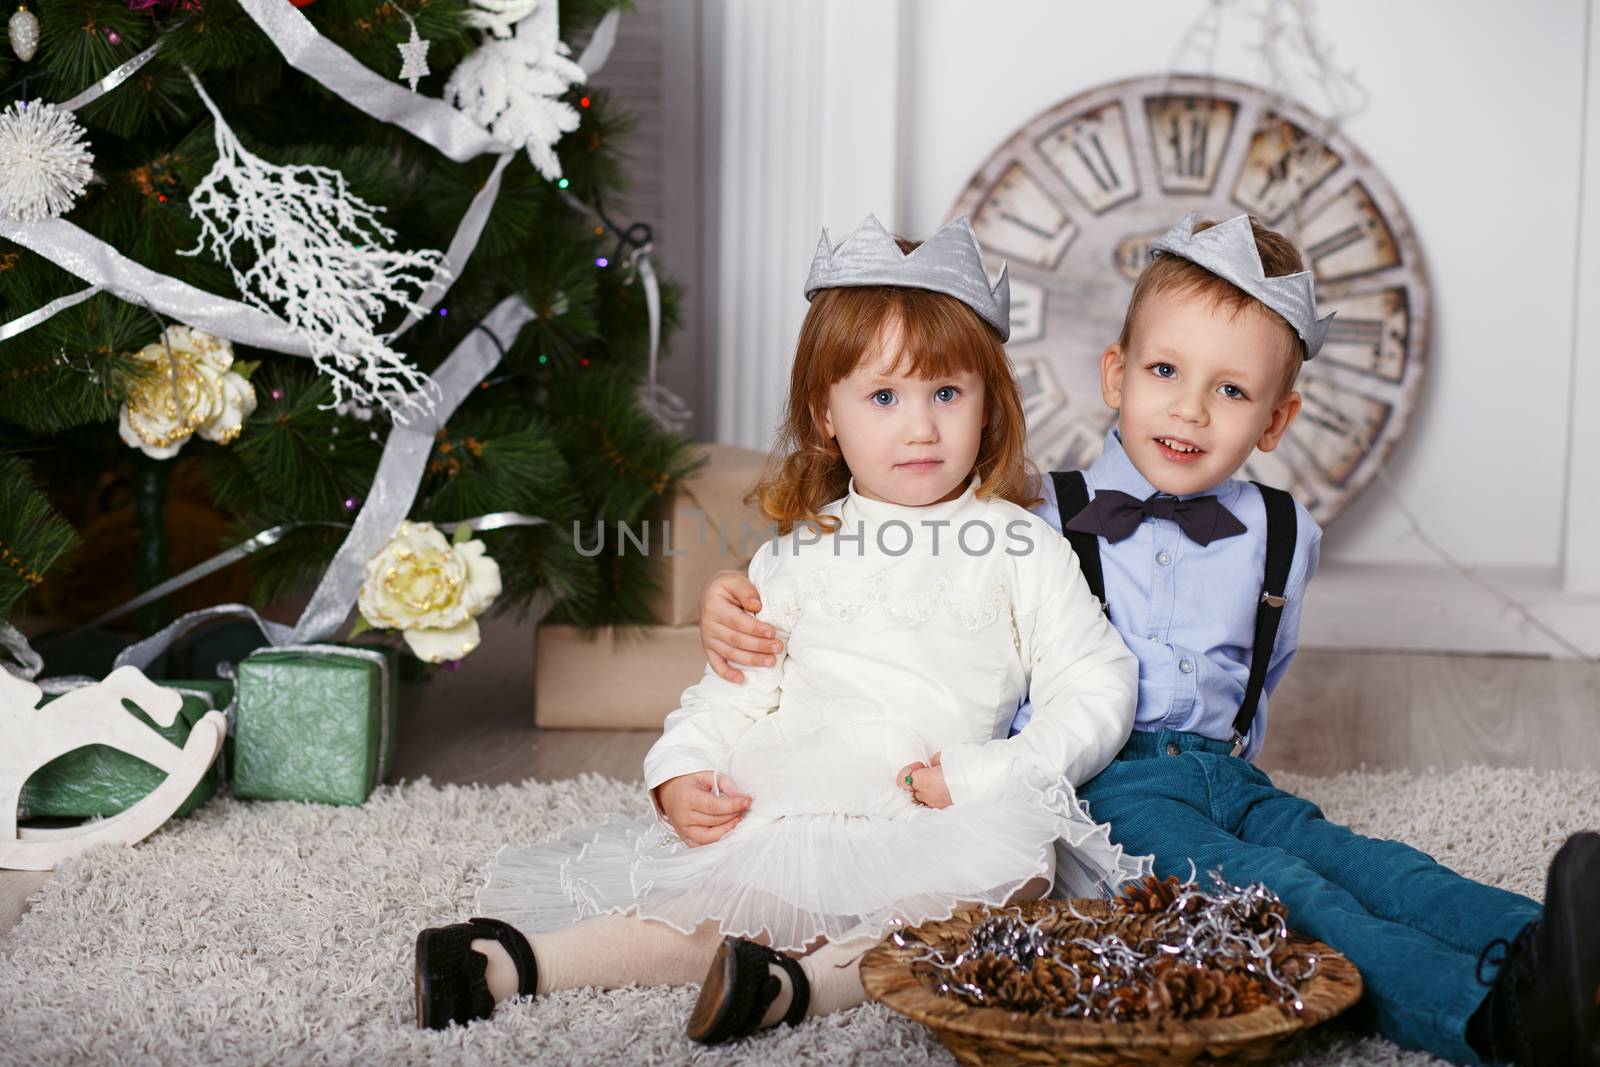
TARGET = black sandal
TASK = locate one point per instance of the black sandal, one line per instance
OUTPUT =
(451, 983)
(739, 989)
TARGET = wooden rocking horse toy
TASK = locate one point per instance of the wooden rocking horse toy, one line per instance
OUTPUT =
(31, 736)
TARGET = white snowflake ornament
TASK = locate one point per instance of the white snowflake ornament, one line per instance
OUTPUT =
(44, 163)
(514, 87)
(413, 57)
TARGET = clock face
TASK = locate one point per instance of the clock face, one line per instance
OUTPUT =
(1074, 198)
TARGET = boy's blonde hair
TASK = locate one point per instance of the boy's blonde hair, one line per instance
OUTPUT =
(1173, 274)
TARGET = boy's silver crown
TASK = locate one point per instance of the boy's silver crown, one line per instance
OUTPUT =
(1229, 251)
(949, 262)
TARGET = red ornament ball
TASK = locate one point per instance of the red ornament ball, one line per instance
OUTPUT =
(302, 3)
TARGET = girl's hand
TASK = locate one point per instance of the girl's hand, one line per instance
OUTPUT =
(729, 628)
(697, 814)
(927, 783)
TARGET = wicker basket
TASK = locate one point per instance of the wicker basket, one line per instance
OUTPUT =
(994, 1036)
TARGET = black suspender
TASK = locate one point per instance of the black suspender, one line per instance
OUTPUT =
(1269, 609)
(1072, 496)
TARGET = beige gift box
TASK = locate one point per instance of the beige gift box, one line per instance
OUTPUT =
(624, 678)
(711, 529)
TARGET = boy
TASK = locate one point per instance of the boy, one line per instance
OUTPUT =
(1202, 374)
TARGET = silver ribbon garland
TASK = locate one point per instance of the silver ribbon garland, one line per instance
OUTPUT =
(50, 310)
(96, 262)
(25, 662)
(111, 80)
(665, 406)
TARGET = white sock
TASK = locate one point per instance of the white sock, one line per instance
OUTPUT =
(834, 972)
(618, 950)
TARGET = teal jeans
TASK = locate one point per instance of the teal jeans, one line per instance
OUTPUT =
(1413, 927)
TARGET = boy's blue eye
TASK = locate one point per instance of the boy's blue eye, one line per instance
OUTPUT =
(946, 393)
(883, 397)
(1163, 370)
(1232, 392)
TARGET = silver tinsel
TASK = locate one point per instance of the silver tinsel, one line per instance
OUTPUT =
(44, 163)
(1229, 926)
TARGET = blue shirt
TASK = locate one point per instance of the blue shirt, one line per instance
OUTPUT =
(1188, 611)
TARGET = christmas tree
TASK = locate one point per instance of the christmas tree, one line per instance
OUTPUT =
(317, 171)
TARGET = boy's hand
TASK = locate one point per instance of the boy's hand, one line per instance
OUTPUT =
(729, 628)
(926, 783)
(698, 815)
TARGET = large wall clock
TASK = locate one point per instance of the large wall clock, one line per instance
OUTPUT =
(1073, 199)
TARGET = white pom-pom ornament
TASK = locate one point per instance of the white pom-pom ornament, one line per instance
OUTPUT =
(44, 163)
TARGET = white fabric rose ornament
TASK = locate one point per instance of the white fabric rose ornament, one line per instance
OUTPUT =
(430, 589)
(193, 389)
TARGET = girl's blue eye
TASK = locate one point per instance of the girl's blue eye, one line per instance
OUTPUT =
(945, 393)
(877, 398)
(1163, 370)
(1232, 392)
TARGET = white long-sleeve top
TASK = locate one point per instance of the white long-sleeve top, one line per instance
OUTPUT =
(940, 618)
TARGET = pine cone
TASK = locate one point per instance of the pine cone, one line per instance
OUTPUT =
(1188, 992)
(1149, 895)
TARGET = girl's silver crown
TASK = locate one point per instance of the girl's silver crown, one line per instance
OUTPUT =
(949, 262)
(1229, 251)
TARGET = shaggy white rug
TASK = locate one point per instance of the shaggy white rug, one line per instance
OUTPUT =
(255, 933)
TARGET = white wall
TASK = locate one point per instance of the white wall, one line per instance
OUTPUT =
(1478, 115)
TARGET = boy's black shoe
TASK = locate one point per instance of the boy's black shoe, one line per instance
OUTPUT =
(1543, 1007)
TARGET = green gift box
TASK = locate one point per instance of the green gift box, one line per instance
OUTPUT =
(314, 722)
(97, 781)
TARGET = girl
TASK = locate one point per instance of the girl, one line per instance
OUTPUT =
(865, 780)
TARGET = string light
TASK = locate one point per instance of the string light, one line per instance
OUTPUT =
(584, 361)
(113, 38)
(443, 312)
(562, 184)
(543, 358)
(583, 101)
(277, 394)
(602, 261)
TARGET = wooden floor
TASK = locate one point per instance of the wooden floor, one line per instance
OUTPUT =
(1335, 711)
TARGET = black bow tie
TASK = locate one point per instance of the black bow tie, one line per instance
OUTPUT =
(1114, 515)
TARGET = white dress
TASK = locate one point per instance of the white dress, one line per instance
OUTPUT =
(898, 645)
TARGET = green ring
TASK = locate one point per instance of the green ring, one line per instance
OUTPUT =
(908, 779)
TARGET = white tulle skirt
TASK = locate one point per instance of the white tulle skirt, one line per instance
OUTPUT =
(830, 848)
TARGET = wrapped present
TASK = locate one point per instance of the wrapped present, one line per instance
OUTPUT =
(702, 527)
(314, 722)
(617, 678)
(98, 781)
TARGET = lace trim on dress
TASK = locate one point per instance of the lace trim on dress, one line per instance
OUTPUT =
(912, 610)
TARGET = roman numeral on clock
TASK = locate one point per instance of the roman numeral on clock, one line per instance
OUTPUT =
(1335, 242)
(1363, 333)
(1191, 161)
(1109, 181)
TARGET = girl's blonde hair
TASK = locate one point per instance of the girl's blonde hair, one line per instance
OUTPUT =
(940, 336)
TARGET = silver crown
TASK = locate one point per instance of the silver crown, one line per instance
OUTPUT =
(949, 262)
(1229, 251)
